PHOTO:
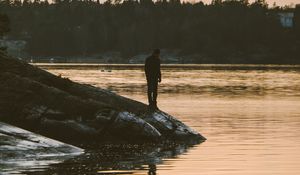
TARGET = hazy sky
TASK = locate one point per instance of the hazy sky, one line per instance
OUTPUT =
(270, 2)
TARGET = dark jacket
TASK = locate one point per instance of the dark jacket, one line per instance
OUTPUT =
(152, 68)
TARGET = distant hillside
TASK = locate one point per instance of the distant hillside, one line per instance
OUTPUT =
(222, 32)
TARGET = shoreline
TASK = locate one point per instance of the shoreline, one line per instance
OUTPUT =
(168, 66)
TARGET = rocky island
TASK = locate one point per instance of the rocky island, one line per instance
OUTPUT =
(55, 107)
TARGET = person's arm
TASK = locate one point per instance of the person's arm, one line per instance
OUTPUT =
(146, 66)
(159, 74)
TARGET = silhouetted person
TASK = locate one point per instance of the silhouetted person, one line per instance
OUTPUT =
(153, 75)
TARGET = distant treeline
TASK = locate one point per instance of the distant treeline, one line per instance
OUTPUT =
(220, 29)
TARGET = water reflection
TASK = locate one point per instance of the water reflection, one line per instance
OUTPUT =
(30, 164)
(119, 159)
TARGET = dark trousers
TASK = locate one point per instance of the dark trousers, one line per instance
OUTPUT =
(152, 91)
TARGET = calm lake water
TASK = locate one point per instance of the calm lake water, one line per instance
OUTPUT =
(249, 114)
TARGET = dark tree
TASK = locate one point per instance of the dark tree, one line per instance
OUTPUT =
(4, 24)
(221, 31)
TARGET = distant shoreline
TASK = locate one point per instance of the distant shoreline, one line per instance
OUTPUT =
(169, 66)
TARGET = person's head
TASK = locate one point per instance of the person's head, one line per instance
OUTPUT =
(156, 52)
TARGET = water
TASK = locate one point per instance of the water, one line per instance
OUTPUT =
(249, 114)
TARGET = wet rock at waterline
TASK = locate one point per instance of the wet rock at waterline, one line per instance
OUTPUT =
(75, 113)
(171, 127)
(20, 148)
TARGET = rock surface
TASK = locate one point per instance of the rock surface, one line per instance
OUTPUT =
(75, 113)
(20, 148)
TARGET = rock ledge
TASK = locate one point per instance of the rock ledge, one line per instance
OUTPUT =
(55, 107)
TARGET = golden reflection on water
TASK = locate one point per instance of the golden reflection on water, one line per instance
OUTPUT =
(250, 117)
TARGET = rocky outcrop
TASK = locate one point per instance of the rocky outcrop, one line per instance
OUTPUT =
(58, 108)
(20, 148)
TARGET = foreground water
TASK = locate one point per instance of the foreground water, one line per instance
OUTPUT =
(249, 114)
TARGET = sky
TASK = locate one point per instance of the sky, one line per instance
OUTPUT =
(270, 2)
